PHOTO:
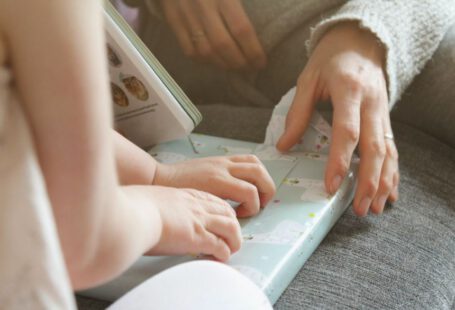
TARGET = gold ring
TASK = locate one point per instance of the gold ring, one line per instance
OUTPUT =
(197, 35)
(389, 136)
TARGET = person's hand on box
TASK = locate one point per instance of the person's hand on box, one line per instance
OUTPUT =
(240, 178)
(195, 222)
(347, 68)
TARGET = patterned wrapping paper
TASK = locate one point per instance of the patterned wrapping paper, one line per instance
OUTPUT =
(278, 240)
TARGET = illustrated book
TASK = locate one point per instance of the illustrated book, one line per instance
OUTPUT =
(149, 106)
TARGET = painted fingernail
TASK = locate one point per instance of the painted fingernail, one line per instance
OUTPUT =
(381, 201)
(336, 182)
(364, 206)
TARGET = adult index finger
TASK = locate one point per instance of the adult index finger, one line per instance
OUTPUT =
(299, 114)
(345, 134)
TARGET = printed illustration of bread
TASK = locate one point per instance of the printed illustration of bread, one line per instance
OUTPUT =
(135, 87)
(113, 58)
(118, 96)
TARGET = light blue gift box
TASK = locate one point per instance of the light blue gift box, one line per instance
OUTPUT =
(277, 241)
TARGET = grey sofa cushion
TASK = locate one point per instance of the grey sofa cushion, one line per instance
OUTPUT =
(404, 259)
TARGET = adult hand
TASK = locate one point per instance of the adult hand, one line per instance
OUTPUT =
(195, 222)
(347, 68)
(241, 178)
(215, 30)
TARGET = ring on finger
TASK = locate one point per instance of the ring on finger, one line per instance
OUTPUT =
(389, 136)
(197, 35)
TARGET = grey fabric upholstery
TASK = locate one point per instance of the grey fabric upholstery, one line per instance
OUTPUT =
(404, 259)
(86, 303)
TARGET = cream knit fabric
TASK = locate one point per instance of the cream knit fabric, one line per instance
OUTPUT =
(410, 30)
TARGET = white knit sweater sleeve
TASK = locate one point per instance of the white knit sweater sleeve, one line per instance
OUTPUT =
(410, 30)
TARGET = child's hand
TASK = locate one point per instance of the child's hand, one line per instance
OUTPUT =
(241, 178)
(195, 222)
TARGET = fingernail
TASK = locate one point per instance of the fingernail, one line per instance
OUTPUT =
(336, 182)
(381, 201)
(364, 206)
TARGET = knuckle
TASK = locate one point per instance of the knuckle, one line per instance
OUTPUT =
(192, 193)
(224, 252)
(371, 187)
(236, 245)
(197, 212)
(251, 192)
(206, 51)
(230, 212)
(198, 230)
(396, 179)
(221, 45)
(303, 79)
(232, 226)
(190, 53)
(220, 160)
(252, 158)
(351, 80)
(385, 184)
(340, 164)
(256, 171)
(392, 152)
(195, 194)
(370, 88)
(351, 131)
(376, 147)
(209, 245)
(213, 175)
(241, 30)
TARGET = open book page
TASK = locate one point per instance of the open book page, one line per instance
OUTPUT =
(149, 107)
(279, 239)
(201, 285)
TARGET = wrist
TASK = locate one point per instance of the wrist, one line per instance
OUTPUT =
(351, 34)
(131, 227)
(164, 174)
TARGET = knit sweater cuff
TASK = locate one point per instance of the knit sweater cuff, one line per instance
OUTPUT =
(369, 20)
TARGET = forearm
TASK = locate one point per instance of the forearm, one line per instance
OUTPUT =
(131, 227)
(59, 61)
(134, 165)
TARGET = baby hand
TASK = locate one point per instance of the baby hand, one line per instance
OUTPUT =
(241, 178)
(195, 222)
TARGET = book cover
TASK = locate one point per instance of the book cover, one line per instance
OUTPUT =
(149, 107)
(278, 240)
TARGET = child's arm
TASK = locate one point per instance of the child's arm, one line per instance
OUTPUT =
(134, 165)
(58, 59)
(239, 178)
